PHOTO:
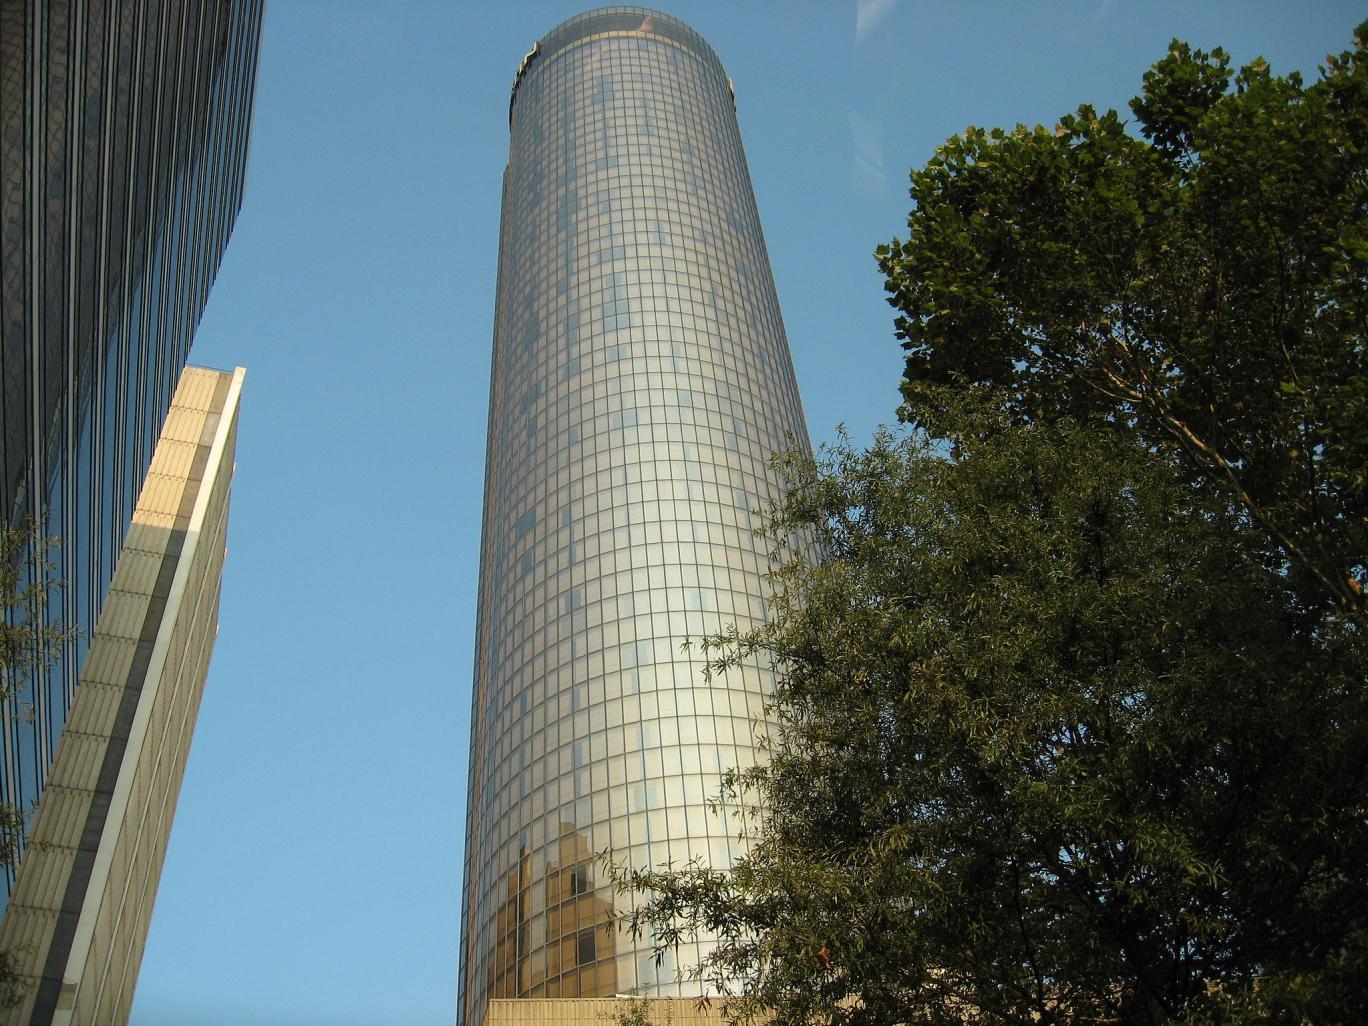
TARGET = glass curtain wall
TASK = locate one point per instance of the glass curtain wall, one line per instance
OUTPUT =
(123, 149)
(641, 379)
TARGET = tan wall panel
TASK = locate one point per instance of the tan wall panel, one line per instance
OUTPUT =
(63, 818)
(96, 712)
(79, 765)
(601, 1011)
(174, 458)
(145, 537)
(123, 614)
(110, 663)
(89, 977)
(136, 572)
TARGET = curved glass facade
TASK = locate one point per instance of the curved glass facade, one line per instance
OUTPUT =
(641, 378)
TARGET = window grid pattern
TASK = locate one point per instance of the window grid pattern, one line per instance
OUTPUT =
(125, 127)
(641, 378)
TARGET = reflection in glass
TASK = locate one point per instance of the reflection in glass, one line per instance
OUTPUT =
(641, 379)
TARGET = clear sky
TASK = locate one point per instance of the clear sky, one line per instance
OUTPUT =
(314, 870)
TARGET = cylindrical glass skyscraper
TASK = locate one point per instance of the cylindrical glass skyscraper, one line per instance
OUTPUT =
(641, 378)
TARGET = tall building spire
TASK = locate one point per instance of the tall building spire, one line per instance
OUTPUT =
(641, 378)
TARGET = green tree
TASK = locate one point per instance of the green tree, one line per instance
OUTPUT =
(1202, 284)
(1071, 725)
(1054, 746)
(30, 645)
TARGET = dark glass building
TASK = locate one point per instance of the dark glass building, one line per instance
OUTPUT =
(123, 148)
(641, 378)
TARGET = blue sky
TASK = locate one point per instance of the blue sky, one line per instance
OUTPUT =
(313, 875)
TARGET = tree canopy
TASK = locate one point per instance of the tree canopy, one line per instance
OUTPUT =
(1070, 723)
(1201, 283)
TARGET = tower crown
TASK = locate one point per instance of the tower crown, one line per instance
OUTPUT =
(606, 22)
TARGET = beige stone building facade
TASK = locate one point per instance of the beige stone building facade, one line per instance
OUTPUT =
(603, 1012)
(79, 913)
